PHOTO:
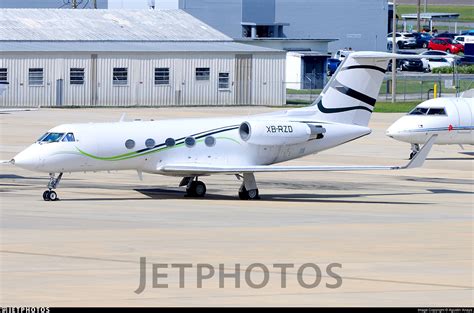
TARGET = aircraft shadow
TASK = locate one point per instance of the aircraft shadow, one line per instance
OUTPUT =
(158, 193)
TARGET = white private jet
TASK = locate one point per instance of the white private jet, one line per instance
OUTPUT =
(449, 118)
(240, 146)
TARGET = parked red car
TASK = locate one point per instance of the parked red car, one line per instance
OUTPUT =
(445, 44)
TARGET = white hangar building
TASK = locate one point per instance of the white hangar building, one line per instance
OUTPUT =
(130, 58)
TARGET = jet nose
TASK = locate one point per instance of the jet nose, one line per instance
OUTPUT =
(28, 159)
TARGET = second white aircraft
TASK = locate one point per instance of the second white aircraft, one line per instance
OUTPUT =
(451, 119)
(241, 146)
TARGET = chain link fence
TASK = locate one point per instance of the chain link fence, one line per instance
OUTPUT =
(410, 87)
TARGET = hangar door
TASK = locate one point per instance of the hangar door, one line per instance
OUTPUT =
(243, 79)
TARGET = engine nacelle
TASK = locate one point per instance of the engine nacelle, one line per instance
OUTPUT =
(268, 133)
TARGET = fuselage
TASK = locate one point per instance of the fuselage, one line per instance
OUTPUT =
(450, 118)
(148, 145)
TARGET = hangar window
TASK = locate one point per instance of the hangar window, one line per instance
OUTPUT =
(170, 142)
(189, 142)
(120, 76)
(437, 111)
(35, 77)
(223, 80)
(162, 76)
(129, 144)
(76, 76)
(69, 137)
(3, 75)
(203, 73)
(418, 111)
(150, 143)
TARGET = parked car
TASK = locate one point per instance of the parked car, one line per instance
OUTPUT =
(422, 39)
(464, 38)
(403, 40)
(449, 57)
(412, 65)
(468, 32)
(333, 64)
(446, 35)
(445, 44)
(337, 58)
(436, 62)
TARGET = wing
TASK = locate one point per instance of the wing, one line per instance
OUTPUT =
(208, 169)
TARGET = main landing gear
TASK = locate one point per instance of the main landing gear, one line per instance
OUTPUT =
(50, 194)
(194, 187)
(197, 189)
(248, 190)
(415, 148)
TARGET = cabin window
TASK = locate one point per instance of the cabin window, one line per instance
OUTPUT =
(35, 77)
(52, 137)
(189, 142)
(210, 141)
(150, 143)
(120, 76)
(69, 137)
(418, 111)
(129, 144)
(203, 73)
(162, 76)
(170, 142)
(437, 111)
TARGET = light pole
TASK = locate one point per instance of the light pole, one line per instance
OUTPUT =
(394, 50)
(418, 13)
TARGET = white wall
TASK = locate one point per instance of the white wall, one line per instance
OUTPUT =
(293, 70)
(268, 79)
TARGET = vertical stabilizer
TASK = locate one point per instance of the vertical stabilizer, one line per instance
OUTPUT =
(350, 95)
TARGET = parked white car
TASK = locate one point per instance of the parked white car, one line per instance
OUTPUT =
(404, 40)
(464, 38)
(435, 63)
(448, 57)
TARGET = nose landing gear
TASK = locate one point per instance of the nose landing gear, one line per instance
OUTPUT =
(415, 148)
(50, 194)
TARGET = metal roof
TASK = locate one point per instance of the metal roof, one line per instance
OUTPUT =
(96, 25)
(129, 46)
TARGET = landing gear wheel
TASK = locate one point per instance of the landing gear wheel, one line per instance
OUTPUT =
(53, 196)
(245, 194)
(50, 195)
(196, 189)
(412, 155)
(46, 195)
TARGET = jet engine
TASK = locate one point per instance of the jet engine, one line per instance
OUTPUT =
(267, 133)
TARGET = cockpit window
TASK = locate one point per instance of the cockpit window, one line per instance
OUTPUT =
(69, 137)
(52, 137)
(437, 111)
(418, 111)
(42, 137)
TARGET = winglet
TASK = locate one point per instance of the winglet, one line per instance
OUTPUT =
(420, 157)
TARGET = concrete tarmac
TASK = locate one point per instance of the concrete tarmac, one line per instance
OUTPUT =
(403, 238)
